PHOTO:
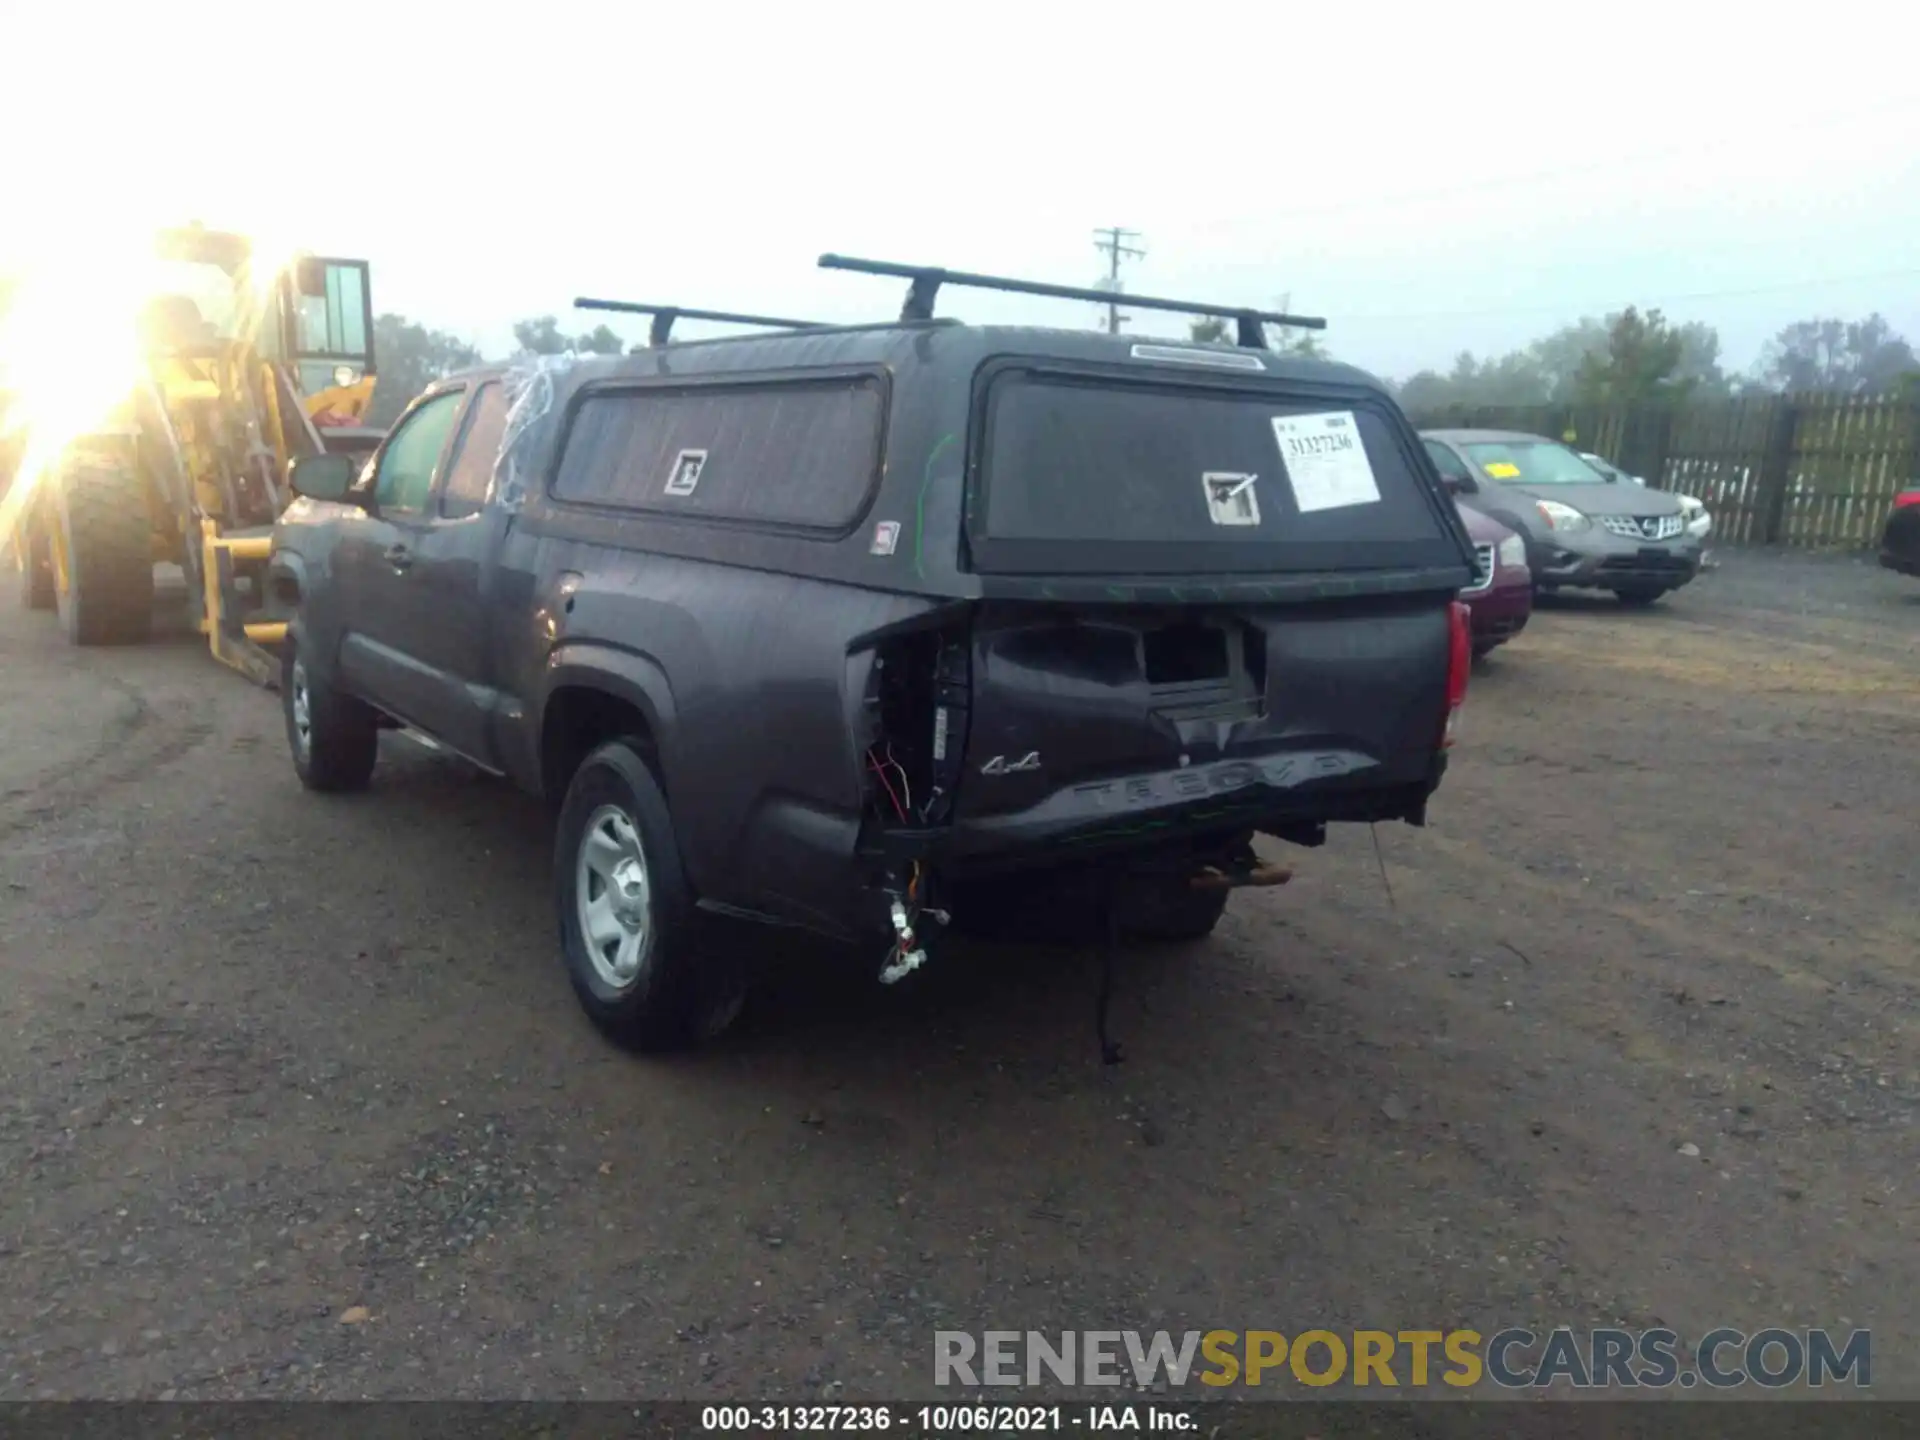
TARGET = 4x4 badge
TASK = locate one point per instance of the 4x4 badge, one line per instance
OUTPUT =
(1000, 765)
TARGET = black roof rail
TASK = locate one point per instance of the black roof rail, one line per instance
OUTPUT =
(665, 315)
(926, 280)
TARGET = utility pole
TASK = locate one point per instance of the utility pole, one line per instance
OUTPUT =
(1113, 240)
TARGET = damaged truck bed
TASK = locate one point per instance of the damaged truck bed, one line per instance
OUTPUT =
(869, 629)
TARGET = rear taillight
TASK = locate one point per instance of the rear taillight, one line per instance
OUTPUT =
(1459, 665)
(1906, 498)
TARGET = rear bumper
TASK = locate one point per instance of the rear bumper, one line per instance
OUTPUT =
(1905, 564)
(1291, 795)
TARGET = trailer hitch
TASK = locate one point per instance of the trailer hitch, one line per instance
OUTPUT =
(1241, 870)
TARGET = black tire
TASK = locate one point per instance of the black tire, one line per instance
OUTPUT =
(107, 538)
(1025, 909)
(37, 588)
(1171, 910)
(1484, 648)
(1053, 910)
(681, 990)
(334, 738)
(1639, 597)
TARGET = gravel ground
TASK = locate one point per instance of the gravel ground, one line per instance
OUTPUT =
(294, 1101)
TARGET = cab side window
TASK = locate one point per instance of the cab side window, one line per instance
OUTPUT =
(470, 472)
(407, 465)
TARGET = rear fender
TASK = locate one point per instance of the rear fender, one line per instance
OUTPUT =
(624, 674)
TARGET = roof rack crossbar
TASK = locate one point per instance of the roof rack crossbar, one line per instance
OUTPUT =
(925, 282)
(665, 315)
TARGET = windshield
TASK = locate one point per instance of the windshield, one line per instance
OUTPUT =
(210, 288)
(1532, 462)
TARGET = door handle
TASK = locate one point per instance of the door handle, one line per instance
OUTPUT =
(399, 557)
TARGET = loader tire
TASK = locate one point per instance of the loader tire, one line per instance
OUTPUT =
(108, 542)
(36, 569)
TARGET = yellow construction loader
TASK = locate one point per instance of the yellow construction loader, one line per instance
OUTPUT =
(244, 365)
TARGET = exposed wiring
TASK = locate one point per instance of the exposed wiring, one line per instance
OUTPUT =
(906, 790)
(1380, 856)
(1108, 897)
(887, 785)
(901, 796)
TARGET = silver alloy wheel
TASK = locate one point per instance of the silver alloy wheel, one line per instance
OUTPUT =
(302, 705)
(613, 897)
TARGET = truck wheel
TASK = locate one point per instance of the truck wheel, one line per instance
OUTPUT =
(106, 539)
(628, 928)
(36, 569)
(334, 738)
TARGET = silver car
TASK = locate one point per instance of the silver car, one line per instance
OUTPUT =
(1699, 520)
(1583, 530)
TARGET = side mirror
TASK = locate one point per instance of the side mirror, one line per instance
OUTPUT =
(323, 477)
(1460, 484)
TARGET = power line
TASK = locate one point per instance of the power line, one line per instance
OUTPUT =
(1113, 240)
(1782, 287)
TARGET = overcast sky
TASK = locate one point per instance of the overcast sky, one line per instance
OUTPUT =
(1430, 178)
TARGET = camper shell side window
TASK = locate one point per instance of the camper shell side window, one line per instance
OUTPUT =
(799, 452)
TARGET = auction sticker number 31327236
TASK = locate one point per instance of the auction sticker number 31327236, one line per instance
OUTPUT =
(1325, 461)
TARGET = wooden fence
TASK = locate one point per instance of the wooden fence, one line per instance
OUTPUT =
(1809, 470)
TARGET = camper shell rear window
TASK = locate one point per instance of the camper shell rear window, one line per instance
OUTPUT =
(1109, 473)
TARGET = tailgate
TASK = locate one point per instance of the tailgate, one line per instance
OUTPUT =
(1102, 708)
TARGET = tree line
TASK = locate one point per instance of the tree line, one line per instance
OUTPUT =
(1638, 357)
(1625, 357)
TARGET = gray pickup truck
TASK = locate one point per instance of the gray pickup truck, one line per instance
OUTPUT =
(871, 629)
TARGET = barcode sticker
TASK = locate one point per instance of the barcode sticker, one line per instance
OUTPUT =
(1326, 462)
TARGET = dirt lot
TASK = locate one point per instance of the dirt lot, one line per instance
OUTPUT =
(265, 1058)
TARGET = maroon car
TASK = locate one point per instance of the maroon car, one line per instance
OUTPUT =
(1502, 599)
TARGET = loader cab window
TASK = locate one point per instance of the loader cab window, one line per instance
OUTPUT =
(332, 314)
(404, 481)
(330, 321)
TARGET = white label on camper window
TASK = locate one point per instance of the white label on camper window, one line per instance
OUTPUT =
(1325, 461)
(687, 466)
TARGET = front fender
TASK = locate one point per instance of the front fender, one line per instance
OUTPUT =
(291, 584)
(287, 575)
